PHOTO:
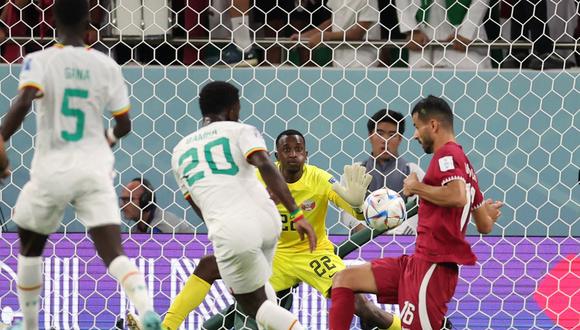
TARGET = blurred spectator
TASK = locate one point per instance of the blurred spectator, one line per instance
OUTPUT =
(149, 23)
(352, 20)
(138, 204)
(25, 18)
(454, 23)
(191, 19)
(577, 35)
(563, 22)
(284, 18)
(529, 23)
(388, 169)
(390, 31)
(275, 19)
(242, 51)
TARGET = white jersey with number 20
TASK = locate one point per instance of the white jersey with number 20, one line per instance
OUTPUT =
(210, 166)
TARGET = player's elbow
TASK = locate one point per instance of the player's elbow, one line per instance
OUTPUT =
(23, 103)
(459, 201)
(123, 125)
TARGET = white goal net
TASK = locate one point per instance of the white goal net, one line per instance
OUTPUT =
(517, 116)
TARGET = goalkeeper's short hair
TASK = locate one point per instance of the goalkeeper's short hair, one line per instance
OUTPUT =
(289, 132)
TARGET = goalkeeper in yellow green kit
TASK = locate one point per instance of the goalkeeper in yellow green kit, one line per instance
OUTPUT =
(312, 188)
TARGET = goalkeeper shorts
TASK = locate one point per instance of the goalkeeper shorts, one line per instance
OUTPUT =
(315, 269)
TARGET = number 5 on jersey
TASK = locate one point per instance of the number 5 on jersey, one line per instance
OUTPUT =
(208, 150)
(78, 114)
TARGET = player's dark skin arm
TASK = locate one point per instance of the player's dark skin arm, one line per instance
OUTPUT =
(18, 111)
(276, 184)
(122, 127)
(13, 121)
(4, 164)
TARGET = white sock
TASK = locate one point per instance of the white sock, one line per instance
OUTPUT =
(241, 32)
(270, 293)
(132, 282)
(272, 316)
(29, 281)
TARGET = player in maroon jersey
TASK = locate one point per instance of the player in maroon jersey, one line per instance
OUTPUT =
(423, 283)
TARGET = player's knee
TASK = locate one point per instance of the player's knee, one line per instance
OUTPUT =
(342, 279)
(207, 269)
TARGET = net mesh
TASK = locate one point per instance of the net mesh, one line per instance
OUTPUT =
(520, 129)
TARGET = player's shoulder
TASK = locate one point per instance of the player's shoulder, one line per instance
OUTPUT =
(39, 55)
(103, 59)
(243, 127)
(318, 176)
(451, 149)
(182, 144)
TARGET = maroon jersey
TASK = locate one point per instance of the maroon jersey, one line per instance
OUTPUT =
(441, 230)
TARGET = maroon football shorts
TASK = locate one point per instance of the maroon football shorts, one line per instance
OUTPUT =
(421, 288)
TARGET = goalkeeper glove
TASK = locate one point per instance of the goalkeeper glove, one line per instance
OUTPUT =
(353, 189)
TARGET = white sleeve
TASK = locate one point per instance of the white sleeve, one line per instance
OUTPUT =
(414, 168)
(178, 176)
(406, 11)
(369, 12)
(118, 94)
(31, 74)
(250, 141)
(473, 20)
(348, 220)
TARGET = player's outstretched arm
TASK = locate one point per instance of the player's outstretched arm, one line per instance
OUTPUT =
(362, 237)
(279, 188)
(451, 194)
(486, 215)
(354, 188)
(18, 111)
(122, 128)
(4, 164)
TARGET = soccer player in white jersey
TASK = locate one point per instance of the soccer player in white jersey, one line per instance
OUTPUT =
(215, 169)
(72, 86)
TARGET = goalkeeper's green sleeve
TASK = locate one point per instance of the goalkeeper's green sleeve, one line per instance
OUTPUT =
(224, 319)
(362, 237)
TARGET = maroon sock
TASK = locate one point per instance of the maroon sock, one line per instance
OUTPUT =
(342, 309)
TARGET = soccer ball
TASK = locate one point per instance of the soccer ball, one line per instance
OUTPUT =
(384, 209)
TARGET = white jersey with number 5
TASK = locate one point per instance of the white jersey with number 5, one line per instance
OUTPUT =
(76, 86)
(73, 162)
(211, 167)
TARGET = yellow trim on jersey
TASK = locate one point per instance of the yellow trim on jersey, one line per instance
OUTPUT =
(122, 111)
(58, 45)
(32, 84)
(251, 151)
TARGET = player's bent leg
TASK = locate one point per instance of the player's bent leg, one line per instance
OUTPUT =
(267, 313)
(193, 293)
(29, 276)
(373, 317)
(107, 240)
(356, 279)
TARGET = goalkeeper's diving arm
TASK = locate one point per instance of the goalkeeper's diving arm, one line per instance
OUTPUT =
(360, 238)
